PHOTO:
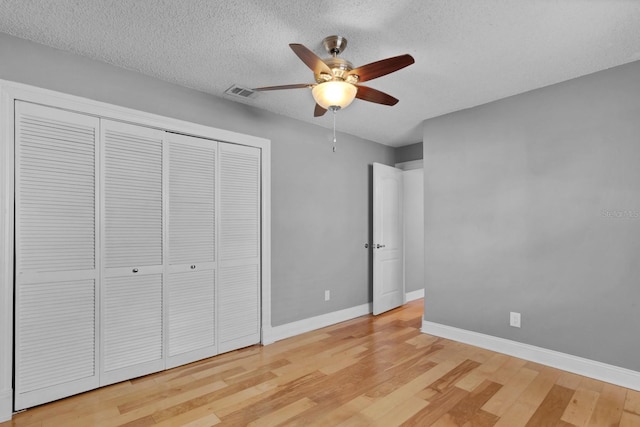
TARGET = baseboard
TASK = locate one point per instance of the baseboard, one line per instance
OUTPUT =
(276, 333)
(6, 405)
(578, 365)
(414, 295)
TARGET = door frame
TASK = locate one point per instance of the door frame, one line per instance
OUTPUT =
(11, 91)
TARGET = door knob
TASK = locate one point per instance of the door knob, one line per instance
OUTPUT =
(378, 246)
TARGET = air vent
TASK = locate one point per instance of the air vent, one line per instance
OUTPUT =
(241, 92)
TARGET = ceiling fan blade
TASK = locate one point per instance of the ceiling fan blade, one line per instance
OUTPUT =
(319, 111)
(383, 67)
(312, 60)
(373, 95)
(295, 86)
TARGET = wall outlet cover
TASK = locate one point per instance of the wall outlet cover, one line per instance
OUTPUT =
(514, 319)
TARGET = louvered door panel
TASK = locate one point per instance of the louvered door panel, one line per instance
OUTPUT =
(132, 195)
(239, 202)
(55, 339)
(191, 200)
(132, 241)
(191, 316)
(132, 318)
(239, 308)
(57, 333)
(56, 189)
(191, 249)
(239, 247)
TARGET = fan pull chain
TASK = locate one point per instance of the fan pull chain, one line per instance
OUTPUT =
(334, 130)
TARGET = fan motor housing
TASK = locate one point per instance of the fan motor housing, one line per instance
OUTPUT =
(340, 67)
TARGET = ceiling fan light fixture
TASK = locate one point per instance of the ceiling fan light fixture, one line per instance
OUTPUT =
(330, 95)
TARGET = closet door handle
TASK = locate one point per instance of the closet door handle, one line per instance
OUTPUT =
(135, 270)
(193, 267)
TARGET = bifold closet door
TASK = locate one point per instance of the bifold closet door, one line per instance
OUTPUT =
(239, 246)
(132, 251)
(56, 254)
(191, 314)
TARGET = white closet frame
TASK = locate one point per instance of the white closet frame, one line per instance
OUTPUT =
(9, 93)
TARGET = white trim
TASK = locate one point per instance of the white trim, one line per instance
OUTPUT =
(567, 362)
(410, 165)
(266, 240)
(10, 91)
(6, 254)
(292, 329)
(6, 405)
(277, 333)
(127, 115)
(414, 295)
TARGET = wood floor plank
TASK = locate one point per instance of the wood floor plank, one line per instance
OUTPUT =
(220, 398)
(580, 408)
(509, 393)
(283, 414)
(251, 408)
(287, 390)
(471, 405)
(508, 370)
(345, 385)
(451, 377)
(161, 404)
(403, 374)
(348, 358)
(609, 407)
(400, 413)
(632, 402)
(346, 411)
(569, 380)
(591, 384)
(530, 399)
(390, 401)
(423, 340)
(482, 419)
(552, 407)
(372, 370)
(629, 419)
(518, 415)
(437, 407)
(200, 416)
(475, 378)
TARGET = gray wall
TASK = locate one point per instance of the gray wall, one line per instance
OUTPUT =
(320, 199)
(532, 204)
(409, 152)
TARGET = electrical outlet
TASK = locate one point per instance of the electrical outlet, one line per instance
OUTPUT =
(327, 295)
(514, 319)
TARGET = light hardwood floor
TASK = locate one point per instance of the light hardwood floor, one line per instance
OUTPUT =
(364, 372)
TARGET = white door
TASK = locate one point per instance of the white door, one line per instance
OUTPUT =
(56, 254)
(132, 257)
(191, 245)
(239, 245)
(388, 246)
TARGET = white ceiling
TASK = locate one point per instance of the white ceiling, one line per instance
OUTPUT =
(467, 52)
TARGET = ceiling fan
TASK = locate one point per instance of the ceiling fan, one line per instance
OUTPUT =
(337, 82)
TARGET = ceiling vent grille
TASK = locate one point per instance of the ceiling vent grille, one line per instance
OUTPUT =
(241, 92)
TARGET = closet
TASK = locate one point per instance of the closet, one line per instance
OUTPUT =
(136, 250)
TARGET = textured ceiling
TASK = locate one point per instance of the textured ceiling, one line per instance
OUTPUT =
(467, 52)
